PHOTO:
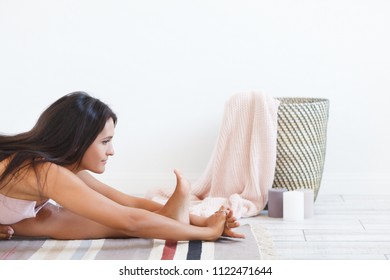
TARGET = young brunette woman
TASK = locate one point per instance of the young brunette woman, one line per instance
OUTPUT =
(53, 161)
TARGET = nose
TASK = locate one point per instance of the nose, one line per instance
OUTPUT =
(110, 150)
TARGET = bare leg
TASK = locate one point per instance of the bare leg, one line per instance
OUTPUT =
(60, 223)
(177, 207)
(6, 232)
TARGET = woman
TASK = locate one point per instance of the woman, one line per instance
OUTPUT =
(51, 161)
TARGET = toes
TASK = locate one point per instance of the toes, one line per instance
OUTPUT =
(178, 174)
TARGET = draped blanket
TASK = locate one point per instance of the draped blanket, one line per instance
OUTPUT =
(241, 169)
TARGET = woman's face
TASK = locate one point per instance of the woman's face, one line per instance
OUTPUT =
(96, 156)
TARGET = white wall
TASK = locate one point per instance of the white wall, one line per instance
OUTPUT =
(167, 67)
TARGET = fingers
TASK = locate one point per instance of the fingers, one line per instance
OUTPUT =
(230, 233)
(230, 223)
(7, 234)
(230, 215)
(223, 210)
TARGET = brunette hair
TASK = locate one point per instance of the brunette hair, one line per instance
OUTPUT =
(62, 134)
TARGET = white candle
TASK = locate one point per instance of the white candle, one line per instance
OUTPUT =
(293, 206)
(309, 202)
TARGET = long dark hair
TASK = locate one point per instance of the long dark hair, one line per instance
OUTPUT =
(62, 134)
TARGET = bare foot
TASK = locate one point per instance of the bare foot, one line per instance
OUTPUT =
(6, 232)
(177, 207)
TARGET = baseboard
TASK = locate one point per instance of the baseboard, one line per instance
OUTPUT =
(351, 183)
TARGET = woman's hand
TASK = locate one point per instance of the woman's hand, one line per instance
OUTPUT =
(230, 223)
(217, 222)
(6, 232)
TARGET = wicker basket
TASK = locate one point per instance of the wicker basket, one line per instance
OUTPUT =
(301, 143)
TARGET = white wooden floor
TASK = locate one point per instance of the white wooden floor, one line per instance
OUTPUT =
(343, 227)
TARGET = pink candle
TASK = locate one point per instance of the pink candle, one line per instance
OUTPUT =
(275, 202)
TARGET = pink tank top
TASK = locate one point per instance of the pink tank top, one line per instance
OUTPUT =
(13, 210)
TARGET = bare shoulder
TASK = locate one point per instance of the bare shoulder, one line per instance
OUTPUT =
(31, 181)
(53, 176)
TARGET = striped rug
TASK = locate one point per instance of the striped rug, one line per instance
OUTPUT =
(133, 249)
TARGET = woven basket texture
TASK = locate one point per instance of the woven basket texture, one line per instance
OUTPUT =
(301, 143)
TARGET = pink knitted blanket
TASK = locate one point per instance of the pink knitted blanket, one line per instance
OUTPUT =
(241, 169)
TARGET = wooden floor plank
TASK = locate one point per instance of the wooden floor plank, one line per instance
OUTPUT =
(350, 235)
(322, 249)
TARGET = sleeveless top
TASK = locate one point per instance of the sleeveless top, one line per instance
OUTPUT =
(13, 210)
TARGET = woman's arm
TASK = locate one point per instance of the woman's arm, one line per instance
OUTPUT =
(117, 196)
(73, 194)
(128, 200)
